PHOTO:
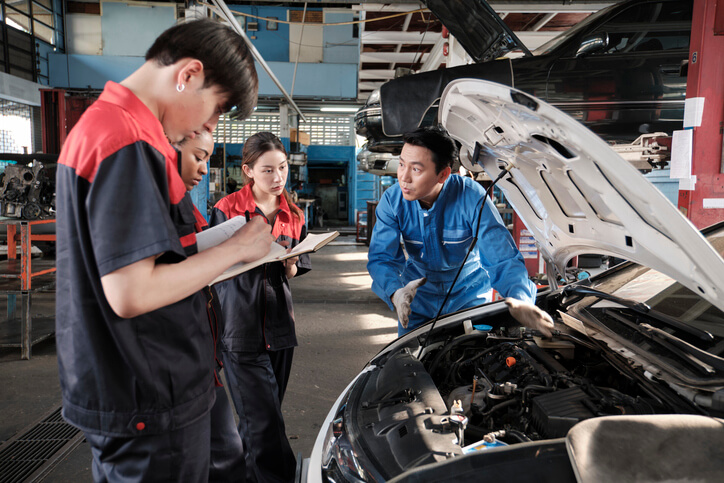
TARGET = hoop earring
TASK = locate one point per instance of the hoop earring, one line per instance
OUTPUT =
(180, 87)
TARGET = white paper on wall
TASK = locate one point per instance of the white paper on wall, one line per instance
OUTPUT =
(687, 184)
(693, 111)
(713, 203)
(681, 145)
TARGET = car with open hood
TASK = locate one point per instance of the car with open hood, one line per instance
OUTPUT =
(621, 71)
(631, 385)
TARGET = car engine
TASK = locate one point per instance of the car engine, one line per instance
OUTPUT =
(28, 192)
(521, 389)
(475, 390)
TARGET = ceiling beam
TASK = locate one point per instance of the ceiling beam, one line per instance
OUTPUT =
(542, 22)
(369, 86)
(388, 57)
(435, 58)
(405, 26)
(387, 7)
(390, 37)
(576, 6)
(377, 74)
(580, 6)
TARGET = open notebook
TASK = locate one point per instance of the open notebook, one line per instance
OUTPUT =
(220, 233)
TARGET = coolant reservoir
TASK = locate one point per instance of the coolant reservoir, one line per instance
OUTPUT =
(465, 394)
(470, 328)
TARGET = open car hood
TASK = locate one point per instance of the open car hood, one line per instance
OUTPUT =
(477, 27)
(571, 189)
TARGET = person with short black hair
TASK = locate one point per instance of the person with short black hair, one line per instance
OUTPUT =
(436, 214)
(135, 350)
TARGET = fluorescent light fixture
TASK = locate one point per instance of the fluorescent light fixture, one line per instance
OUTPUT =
(339, 109)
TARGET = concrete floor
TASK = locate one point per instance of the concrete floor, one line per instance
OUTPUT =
(341, 324)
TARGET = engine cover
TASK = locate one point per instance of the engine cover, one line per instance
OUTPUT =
(555, 413)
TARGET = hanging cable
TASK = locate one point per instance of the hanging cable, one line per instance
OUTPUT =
(427, 26)
(299, 50)
(400, 14)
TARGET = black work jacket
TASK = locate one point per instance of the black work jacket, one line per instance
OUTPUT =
(121, 200)
(257, 308)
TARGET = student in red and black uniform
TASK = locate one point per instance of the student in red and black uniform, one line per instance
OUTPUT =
(227, 462)
(258, 333)
(135, 352)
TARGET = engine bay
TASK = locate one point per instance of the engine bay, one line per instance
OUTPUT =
(485, 389)
(515, 390)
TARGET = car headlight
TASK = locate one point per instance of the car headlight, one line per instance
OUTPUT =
(339, 461)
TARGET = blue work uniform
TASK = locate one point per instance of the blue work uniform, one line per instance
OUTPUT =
(436, 241)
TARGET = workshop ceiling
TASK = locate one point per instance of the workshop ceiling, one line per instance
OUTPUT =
(414, 40)
(403, 34)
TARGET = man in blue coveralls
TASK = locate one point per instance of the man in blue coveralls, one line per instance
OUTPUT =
(436, 215)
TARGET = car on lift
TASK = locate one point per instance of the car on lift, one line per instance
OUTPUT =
(631, 385)
(621, 71)
(380, 164)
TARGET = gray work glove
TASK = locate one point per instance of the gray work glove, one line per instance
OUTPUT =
(402, 299)
(530, 316)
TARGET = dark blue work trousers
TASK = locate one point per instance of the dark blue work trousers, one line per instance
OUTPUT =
(179, 455)
(209, 449)
(257, 382)
(227, 463)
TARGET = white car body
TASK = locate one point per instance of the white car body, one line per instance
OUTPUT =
(576, 195)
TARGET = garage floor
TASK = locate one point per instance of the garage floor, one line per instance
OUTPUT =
(341, 324)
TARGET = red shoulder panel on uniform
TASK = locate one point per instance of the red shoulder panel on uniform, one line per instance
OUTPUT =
(116, 120)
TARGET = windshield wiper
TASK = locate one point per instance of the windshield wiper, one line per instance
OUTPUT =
(640, 308)
(645, 330)
(715, 361)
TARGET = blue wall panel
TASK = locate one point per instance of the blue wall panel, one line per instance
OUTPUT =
(669, 187)
(318, 81)
(90, 70)
(273, 45)
(131, 29)
(200, 196)
(327, 81)
(365, 189)
(340, 47)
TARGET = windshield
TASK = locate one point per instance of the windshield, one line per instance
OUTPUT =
(665, 295)
(555, 42)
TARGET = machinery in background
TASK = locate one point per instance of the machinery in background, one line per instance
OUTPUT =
(647, 152)
(27, 188)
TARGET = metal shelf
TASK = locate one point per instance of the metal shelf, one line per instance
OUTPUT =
(17, 278)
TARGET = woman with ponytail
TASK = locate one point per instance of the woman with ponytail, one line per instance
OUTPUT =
(258, 333)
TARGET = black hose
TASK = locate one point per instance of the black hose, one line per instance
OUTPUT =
(445, 350)
(520, 436)
(502, 405)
